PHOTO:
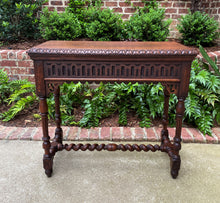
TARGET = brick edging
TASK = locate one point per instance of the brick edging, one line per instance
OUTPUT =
(189, 135)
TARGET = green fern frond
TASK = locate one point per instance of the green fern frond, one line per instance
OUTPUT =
(24, 89)
(18, 107)
(205, 122)
(123, 115)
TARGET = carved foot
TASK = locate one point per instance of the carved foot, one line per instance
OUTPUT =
(49, 173)
(48, 165)
(175, 162)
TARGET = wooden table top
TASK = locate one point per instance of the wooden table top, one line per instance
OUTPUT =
(112, 48)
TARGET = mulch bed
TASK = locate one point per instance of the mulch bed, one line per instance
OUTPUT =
(26, 118)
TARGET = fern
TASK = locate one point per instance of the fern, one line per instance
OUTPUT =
(192, 106)
(123, 114)
(20, 94)
(202, 103)
(205, 122)
(18, 107)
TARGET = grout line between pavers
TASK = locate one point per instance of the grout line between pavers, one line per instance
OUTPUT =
(145, 134)
(190, 134)
(213, 134)
(132, 133)
(67, 133)
(9, 134)
(155, 132)
(78, 134)
(203, 136)
(89, 133)
(33, 133)
(25, 130)
(122, 133)
(99, 133)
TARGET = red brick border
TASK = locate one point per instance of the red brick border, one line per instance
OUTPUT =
(189, 135)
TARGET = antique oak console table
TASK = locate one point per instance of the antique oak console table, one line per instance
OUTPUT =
(56, 62)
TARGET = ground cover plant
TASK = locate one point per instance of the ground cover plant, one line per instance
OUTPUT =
(20, 94)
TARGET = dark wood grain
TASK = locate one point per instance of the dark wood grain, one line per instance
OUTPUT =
(56, 62)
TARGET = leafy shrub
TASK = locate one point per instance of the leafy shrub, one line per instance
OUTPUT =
(103, 25)
(198, 28)
(78, 8)
(97, 24)
(149, 26)
(63, 26)
(18, 19)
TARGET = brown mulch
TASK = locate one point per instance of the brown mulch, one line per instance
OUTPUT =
(24, 45)
(26, 118)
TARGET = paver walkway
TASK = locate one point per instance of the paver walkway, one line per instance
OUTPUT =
(191, 135)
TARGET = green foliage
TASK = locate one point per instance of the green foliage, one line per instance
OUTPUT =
(63, 26)
(202, 103)
(149, 26)
(210, 62)
(7, 87)
(97, 24)
(103, 25)
(18, 19)
(148, 4)
(20, 94)
(198, 29)
(72, 95)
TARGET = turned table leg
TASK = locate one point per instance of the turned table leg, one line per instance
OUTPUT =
(47, 158)
(175, 160)
(58, 132)
(164, 133)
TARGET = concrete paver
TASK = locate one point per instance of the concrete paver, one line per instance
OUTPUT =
(108, 176)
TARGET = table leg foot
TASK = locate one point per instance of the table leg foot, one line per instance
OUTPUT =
(175, 162)
(48, 166)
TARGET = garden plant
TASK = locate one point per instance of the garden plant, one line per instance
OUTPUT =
(18, 20)
(198, 29)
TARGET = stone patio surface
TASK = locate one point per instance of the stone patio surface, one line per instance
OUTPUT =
(108, 176)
